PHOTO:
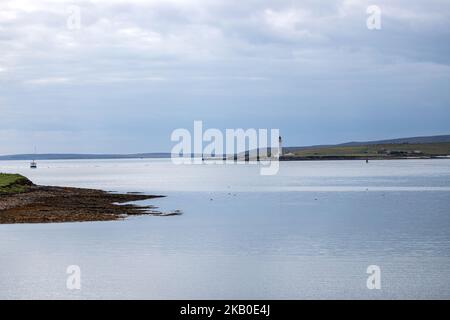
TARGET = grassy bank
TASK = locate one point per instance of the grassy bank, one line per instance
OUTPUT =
(377, 151)
(13, 183)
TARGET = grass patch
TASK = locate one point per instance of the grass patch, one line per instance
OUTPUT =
(380, 150)
(13, 183)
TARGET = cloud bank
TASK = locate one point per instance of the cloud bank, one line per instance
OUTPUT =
(133, 71)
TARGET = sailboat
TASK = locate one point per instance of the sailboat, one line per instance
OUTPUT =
(33, 164)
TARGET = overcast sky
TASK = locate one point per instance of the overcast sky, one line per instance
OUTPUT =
(136, 70)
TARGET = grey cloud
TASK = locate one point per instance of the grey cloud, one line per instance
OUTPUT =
(309, 60)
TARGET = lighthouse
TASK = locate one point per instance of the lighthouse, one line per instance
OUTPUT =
(280, 146)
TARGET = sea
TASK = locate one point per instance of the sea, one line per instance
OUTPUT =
(314, 230)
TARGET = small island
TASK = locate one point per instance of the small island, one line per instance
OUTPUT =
(21, 201)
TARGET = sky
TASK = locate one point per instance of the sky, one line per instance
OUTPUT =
(120, 76)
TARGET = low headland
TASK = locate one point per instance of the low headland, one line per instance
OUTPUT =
(376, 151)
(21, 201)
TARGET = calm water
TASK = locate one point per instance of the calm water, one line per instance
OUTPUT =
(309, 232)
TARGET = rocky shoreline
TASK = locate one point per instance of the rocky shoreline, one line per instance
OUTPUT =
(42, 204)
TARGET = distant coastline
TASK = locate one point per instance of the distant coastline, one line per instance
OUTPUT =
(75, 156)
(430, 147)
(362, 158)
(382, 151)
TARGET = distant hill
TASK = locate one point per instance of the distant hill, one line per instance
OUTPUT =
(405, 148)
(411, 140)
(431, 146)
(55, 156)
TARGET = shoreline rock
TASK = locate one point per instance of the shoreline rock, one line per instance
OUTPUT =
(45, 204)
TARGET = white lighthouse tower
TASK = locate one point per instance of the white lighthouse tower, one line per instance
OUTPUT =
(280, 147)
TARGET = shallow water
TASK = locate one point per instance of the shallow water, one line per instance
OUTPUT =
(309, 232)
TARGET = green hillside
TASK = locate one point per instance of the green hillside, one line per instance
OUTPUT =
(13, 183)
(376, 151)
